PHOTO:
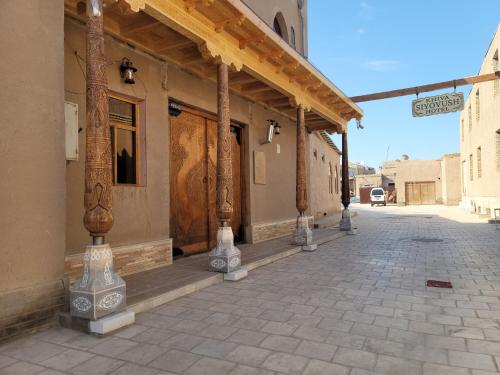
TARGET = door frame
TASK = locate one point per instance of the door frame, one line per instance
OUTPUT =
(244, 159)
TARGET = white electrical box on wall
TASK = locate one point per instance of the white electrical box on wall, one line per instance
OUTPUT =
(71, 122)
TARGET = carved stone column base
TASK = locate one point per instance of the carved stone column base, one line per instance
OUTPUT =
(345, 223)
(225, 257)
(100, 291)
(303, 234)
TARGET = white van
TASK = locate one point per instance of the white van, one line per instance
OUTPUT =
(377, 196)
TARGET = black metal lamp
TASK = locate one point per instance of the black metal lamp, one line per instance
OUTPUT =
(127, 71)
(277, 128)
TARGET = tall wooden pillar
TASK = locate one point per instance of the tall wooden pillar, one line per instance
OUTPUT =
(98, 218)
(301, 181)
(345, 222)
(100, 291)
(225, 257)
(346, 194)
(303, 234)
(224, 165)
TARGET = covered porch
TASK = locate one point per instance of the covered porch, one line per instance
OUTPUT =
(217, 41)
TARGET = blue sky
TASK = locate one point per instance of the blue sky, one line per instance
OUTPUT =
(378, 45)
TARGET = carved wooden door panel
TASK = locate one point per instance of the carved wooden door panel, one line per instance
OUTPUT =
(188, 183)
(236, 220)
(212, 181)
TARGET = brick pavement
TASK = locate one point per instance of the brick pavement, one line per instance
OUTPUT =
(356, 306)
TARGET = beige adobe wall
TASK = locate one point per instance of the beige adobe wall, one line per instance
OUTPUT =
(267, 10)
(484, 190)
(321, 200)
(32, 150)
(418, 171)
(274, 201)
(450, 177)
(362, 180)
(141, 213)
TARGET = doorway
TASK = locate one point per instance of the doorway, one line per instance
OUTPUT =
(420, 193)
(193, 181)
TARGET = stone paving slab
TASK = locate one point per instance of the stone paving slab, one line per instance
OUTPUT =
(357, 306)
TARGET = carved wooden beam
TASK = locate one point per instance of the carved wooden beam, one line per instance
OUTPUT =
(236, 21)
(192, 4)
(254, 41)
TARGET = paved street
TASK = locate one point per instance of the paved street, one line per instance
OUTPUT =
(356, 306)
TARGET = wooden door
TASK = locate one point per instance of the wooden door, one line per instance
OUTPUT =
(188, 183)
(420, 193)
(193, 182)
(428, 192)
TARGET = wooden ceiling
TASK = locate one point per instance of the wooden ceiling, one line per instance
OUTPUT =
(291, 75)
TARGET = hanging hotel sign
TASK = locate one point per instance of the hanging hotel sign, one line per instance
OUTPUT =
(435, 105)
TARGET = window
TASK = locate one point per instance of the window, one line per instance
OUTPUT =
(471, 168)
(292, 37)
(123, 121)
(478, 107)
(469, 113)
(497, 142)
(462, 130)
(336, 180)
(496, 82)
(330, 179)
(479, 168)
(279, 26)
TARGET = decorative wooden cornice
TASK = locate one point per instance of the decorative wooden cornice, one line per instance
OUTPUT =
(210, 51)
(137, 5)
(264, 54)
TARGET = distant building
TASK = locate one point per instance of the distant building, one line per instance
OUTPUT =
(425, 181)
(480, 140)
(358, 169)
(417, 181)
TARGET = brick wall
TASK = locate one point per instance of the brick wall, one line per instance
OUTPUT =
(29, 309)
(268, 231)
(128, 259)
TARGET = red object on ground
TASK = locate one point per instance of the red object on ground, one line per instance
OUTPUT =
(439, 284)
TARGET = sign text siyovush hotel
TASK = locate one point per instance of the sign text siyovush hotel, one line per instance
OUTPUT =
(435, 105)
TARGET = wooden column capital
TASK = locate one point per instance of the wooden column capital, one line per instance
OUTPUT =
(224, 165)
(210, 52)
(301, 181)
(98, 218)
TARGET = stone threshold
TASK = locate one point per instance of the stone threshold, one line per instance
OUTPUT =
(193, 271)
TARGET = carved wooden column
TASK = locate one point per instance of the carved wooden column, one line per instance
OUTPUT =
(225, 257)
(100, 291)
(303, 234)
(345, 222)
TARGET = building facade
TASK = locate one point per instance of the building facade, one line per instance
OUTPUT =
(423, 181)
(480, 140)
(164, 136)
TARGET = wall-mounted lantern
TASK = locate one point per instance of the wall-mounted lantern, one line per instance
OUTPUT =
(273, 127)
(174, 109)
(127, 71)
(277, 128)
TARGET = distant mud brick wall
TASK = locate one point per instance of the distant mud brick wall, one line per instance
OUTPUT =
(29, 309)
(268, 231)
(128, 259)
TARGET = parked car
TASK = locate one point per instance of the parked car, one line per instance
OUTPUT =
(377, 196)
